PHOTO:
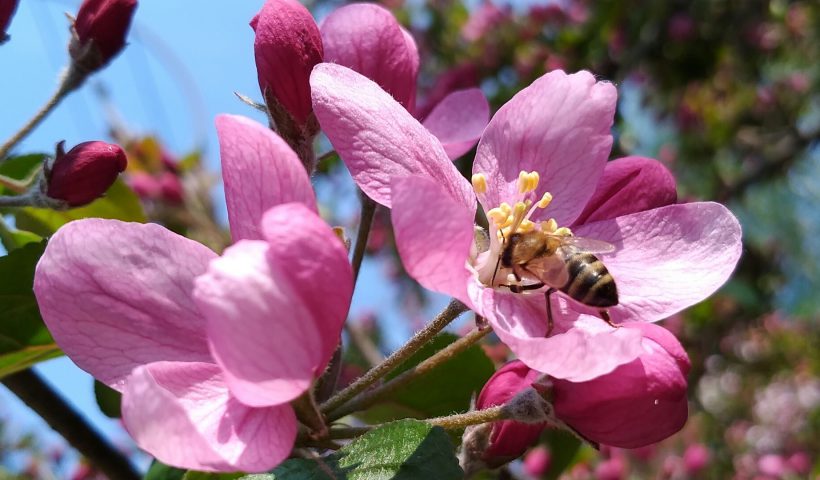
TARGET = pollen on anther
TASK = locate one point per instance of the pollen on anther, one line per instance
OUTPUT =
(546, 199)
(479, 181)
(550, 226)
(527, 181)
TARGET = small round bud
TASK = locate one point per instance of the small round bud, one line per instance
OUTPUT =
(100, 30)
(84, 173)
(511, 386)
(537, 461)
(696, 458)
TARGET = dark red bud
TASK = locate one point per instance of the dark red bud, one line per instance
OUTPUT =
(84, 173)
(287, 47)
(104, 23)
(7, 8)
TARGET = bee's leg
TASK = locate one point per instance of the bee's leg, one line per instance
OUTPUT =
(498, 262)
(523, 288)
(547, 295)
(605, 316)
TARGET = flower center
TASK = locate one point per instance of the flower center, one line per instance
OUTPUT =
(510, 218)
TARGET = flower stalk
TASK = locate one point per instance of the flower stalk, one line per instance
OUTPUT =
(371, 397)
(450, 313)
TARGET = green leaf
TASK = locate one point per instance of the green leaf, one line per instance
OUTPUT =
(564, 451)
(119, 203)
(20, 168)
(403, 450)
(108, 399)
(160, 471)
(446, 389)
(24, 339)
(12, 238)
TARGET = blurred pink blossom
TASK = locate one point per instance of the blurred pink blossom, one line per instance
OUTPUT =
(537, 461)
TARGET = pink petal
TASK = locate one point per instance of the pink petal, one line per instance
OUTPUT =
(560, 127)
(377, 138)
(668, 258)
(368, 39)
(317, 267)
(434, 243)
(583, 347)
(117, 295)
(629, 185)
(183, 414)
(265, 341)
(458, 120)
(260, 171)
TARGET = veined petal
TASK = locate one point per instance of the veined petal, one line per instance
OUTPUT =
(317, 268)
(117, 295)
(184, 415)
(559, 126)
(668, 258)
(260, 334)
(458, 120)
(377, 138)
(367, 38)
(630, 185)
(260, 171)
(584, 347)
(434, 234)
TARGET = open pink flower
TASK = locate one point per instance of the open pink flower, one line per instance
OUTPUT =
(208, 351)
(553, 136)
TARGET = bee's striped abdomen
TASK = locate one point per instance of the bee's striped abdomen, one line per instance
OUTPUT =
(589, 281)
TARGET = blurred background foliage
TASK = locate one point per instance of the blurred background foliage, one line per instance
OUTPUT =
(727, 95)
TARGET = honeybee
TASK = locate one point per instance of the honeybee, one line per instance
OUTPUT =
(561, 262)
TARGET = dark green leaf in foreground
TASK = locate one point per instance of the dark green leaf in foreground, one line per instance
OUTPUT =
(160, 471)
(402, 450)
(24, 339)
(108, 399)
(192, 475)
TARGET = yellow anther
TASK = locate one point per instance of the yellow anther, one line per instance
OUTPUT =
(545, 200)
(527, 181)
(563, 232)
(479, 183)
(506, 208)
(497, 215)
(550, 226)
(526, 226)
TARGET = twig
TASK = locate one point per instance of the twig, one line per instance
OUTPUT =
(39, 396)
(453, 310)
(369, 398)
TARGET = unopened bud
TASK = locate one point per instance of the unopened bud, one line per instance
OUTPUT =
(287, 47)
(537, 461)
(7, 8)
(639, 403)
(100, 30)
(84, 173)
(511, 386)
(171, 188)
(696, 458)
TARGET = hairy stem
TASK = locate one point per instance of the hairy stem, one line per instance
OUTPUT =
(69, 82)
(371, 397)
(453, 310)
(39, 396)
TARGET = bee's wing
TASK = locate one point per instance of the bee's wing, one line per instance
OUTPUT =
(551, 269)
(586, 245)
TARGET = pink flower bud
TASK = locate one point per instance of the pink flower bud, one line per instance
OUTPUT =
(509, 439)
(101, 26)
(7, 8)
(611, 469)
(772, 464)
(171, 188)
(695, 458)
(144, 185)
(638, 403)
(537, 461)
(799, 462)
(287, 47)
(85, 172)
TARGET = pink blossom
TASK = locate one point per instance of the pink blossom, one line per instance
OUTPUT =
(537, 462)
(367, 39)
(208, 351)
(611, 469)
(696, 458)
(508, 439)
(485, 18)
(553, 136)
